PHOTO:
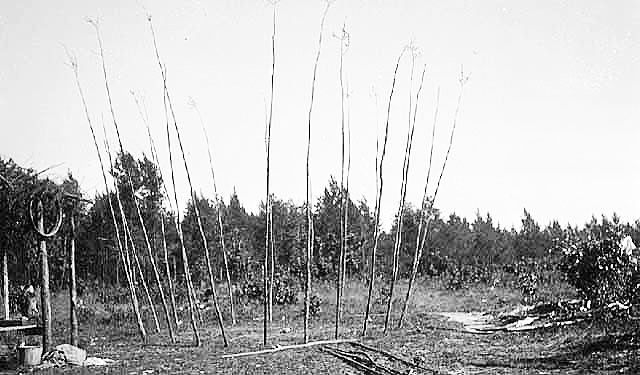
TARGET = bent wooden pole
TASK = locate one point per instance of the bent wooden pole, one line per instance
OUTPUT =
(45, 293)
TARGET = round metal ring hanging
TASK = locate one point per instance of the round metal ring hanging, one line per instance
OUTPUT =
(56, 227)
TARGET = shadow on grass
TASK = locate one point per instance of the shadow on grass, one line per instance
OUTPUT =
(610, 352)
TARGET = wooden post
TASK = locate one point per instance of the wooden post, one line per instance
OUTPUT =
(72, 284)
(5, 284)
(45, 293)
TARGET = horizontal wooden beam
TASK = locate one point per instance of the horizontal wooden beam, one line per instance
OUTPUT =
(287, 347)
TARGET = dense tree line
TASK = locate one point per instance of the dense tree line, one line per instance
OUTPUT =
(454, 243)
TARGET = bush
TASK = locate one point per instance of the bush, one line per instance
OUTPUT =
(315, 305)
(285, 289)
(461, 275)
(598, 267)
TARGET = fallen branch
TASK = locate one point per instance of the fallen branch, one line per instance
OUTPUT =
(287, 347)
(392, 356)
(353, 362)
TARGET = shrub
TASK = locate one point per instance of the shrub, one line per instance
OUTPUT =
(598, 267)
(315, 305)
(285, 289)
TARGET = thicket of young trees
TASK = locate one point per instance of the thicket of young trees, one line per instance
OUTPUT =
(458, 248)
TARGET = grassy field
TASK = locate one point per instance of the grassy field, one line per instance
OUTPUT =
(426, 338)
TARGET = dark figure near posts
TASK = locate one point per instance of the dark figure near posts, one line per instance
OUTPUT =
(25, 302)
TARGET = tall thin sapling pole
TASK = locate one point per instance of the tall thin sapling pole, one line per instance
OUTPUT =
(128, 233)
(160, 180)
(344, 45)
(307, 291)
(268, 296)
(195, 202)
(133, 196)
(376, 230)
(427, 205)
(218, 214)
(185, 261)
(132, 293)
(403, 188)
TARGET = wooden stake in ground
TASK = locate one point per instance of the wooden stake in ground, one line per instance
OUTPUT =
(219, 216)
(403, 189)
(307, 292)
(344, 44)
(73, 295)
(45, 293)
(376, 235)
(418, 254)
(132, 293)
(5, 284)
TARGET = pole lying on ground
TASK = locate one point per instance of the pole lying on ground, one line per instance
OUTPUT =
(287, 347)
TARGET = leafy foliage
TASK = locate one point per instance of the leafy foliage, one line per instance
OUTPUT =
(598, 267)
(458, 251)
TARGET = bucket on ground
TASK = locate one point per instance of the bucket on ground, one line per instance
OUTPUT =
(29, 355)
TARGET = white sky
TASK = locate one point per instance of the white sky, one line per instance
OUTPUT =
(549, 118)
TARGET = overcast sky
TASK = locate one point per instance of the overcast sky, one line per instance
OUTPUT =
(548, 121)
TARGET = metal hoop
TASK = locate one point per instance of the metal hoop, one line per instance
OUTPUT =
(35, 225)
